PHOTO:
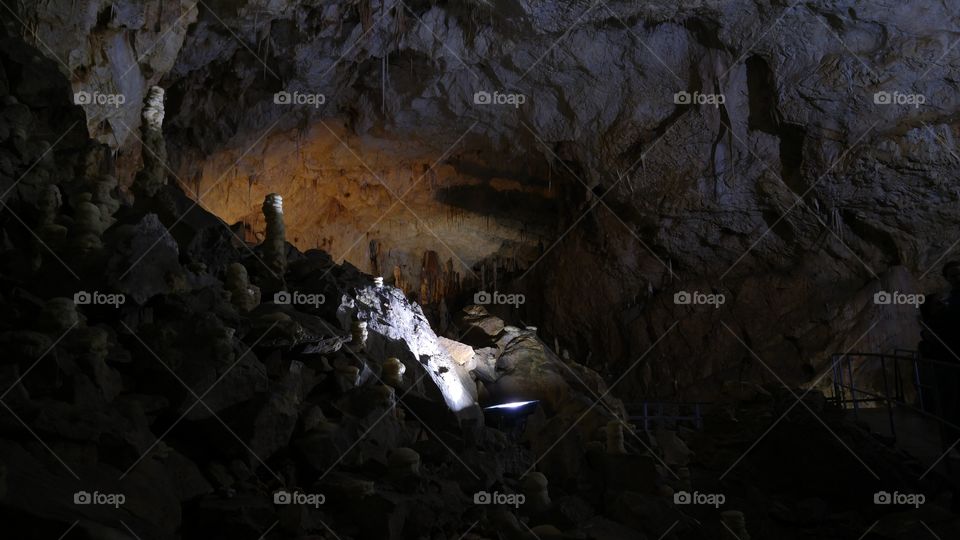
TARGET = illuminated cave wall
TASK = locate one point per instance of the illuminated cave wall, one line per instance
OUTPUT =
(383, 205)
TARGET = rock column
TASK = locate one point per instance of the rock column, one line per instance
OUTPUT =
(275, 243)
(153, 176)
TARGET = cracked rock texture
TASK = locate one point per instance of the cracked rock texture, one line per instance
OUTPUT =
(797, 197)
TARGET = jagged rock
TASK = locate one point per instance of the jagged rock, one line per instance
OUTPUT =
(461, 353)
(399, 329)
(480, 329)
(144, 259)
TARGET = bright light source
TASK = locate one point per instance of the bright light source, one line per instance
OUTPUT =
(511, 405)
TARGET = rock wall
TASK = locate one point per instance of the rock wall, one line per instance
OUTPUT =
(776, 153)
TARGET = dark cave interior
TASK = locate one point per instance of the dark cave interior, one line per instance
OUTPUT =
(479, 269)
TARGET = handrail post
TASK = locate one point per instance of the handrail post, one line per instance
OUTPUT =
(886, 395)
(853, 388)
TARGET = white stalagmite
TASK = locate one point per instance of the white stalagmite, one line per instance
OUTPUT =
(274, 242)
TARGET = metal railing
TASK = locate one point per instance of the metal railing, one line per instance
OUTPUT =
(906, 380)
(646, 413)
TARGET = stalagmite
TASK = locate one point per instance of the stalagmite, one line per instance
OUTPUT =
(534, 487)
(153, 176)
(243, 295)
(274, 242)
(393, 370)
(358, 332)
(88, 225)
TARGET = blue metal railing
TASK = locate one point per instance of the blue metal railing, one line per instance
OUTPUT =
(924, 393)
(646, 413)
